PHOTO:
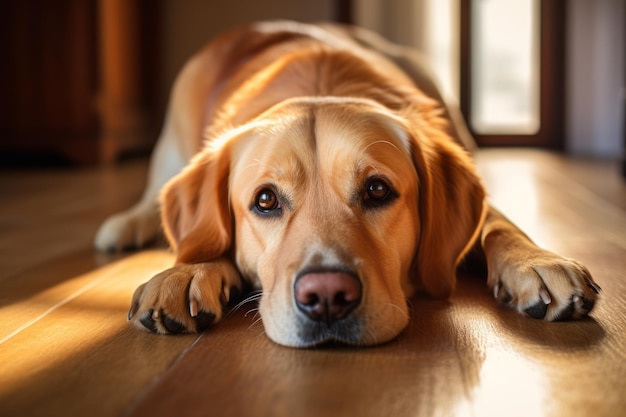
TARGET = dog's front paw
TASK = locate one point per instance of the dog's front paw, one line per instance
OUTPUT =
(543, 285)
(187, 298)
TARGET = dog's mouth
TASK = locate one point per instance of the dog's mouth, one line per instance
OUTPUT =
(347, 331)
(332, 304)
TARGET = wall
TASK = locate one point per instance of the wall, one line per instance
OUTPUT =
(188, 24)
(398, 20)
(595, 84)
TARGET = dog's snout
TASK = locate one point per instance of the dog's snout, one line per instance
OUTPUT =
(327, 296)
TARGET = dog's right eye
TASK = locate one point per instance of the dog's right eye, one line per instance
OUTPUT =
(377, 193)
(266, 202)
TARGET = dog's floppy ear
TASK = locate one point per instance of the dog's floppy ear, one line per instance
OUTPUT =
(451, 206)
(195, 209)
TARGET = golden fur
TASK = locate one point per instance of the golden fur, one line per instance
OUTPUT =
(311, 119)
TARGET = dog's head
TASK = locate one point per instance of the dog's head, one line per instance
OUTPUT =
(338, 208)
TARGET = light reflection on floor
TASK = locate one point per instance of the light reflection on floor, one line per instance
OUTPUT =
(509, 385)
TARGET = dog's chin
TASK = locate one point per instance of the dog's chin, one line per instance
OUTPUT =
(347, 332)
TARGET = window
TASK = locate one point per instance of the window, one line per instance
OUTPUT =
(512, 71)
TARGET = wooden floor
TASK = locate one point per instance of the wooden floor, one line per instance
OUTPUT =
(67, 350)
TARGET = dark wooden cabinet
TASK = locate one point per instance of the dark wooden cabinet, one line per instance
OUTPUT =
(83, 80)
(71, 83)
(48, 80)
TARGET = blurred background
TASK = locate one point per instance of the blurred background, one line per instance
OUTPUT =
(86, 82)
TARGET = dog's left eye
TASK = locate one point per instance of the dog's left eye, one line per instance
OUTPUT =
(377, 190)
(266, 202)
(377, 193)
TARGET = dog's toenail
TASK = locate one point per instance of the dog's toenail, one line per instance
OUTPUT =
(193, 307)
(537, 310)
(203, 320)
(545, 296)
(577, 300)
(132, 311)
(595, 287)
(504, 296)
(224, 294)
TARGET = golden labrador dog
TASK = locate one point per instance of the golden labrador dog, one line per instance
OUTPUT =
(321, 166)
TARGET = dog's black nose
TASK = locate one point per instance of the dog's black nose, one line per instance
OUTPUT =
(327, 296)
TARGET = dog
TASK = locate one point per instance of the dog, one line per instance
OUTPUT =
(320, 165)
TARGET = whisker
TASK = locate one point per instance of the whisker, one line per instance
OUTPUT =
(255, 296)
(254, 323)
(253, 310)
(397, 307)
(372, 335)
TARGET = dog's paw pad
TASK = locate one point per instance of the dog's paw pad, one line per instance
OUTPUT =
(565, 313)
(537, 310)
(173, 326)
(148, 321)
(584, 304)
(203, 320)
(579, 306)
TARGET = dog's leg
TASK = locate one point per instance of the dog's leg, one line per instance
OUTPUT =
(531, 280)
(180, 139)
(187, 298)
(140, 224)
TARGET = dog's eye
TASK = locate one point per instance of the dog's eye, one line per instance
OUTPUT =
(266, 201)
(377, 193)
(377, 190)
